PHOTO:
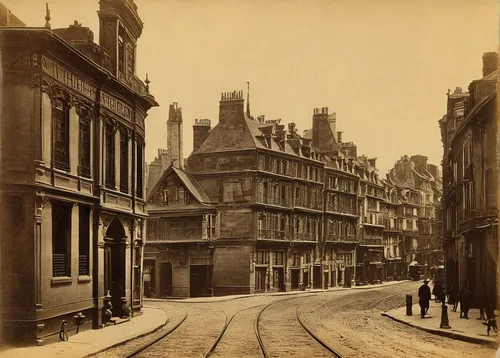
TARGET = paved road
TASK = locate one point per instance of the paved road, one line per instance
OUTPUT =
(348, 321)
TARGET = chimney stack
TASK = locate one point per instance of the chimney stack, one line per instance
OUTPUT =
(231, 107)
(490, 63)
(339, 137)
(201, 130)
(323, 131)
(372, 162)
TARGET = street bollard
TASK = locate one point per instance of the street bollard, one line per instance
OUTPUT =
(409, 304)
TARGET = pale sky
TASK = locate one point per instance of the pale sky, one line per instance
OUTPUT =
(383, 66)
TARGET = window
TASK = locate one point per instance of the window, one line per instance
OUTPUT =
(278, 258)
(60, 114)
(121, 50)
(130, 61)
(140, 163)
(181, 196)
(165, 197)
(110, 157)
(84, 144)
(61, 239)
(123, 161)
(261, 258)
(83, 240)
(295, 259)
(228, 192)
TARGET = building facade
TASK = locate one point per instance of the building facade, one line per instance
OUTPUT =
(420, 219)
(470, 178)
(261, 208)
(72, 175)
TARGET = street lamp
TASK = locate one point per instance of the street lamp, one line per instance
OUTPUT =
(445, 323)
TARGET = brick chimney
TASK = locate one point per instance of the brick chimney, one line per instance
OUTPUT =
(323, 134)
(339, 137)
(231, 107)
(201, 129)
(490, 63)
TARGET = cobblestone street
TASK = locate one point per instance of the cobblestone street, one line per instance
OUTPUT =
(348, 321)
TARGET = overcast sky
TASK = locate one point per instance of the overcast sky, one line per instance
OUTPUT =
(383, 66)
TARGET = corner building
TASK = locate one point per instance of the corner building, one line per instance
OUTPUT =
(72, 174)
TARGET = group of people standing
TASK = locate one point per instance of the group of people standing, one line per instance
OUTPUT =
(464, 297)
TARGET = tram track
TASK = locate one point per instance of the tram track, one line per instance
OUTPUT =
(303, 329)
(156, 340)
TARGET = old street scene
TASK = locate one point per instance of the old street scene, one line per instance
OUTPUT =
(248, 179)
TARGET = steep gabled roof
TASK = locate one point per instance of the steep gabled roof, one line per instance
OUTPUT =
(187, 180)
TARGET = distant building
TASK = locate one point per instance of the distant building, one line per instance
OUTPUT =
(470, 178)
(420, 220)
(72, 174)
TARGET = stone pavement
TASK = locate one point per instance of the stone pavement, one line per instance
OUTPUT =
(92, 341)
(233, 297)
(470, 330)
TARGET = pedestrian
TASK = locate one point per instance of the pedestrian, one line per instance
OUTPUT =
(482, 299)
(424, 295)
(455, 295)
(464, 302)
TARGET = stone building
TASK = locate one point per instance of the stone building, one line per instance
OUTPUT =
(261, 208)
(421, 191)
(72, 174)
(470, 179)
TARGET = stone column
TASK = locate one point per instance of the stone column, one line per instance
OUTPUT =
(271, 273)
(99, 298)
(117, 159)
(329, 276)
(301, 272)
(288, 271)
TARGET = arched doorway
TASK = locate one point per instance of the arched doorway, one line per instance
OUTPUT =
(114, 264)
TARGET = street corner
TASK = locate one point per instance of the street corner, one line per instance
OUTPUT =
(469, 330)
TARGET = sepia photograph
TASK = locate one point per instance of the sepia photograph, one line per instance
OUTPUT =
(253, 178)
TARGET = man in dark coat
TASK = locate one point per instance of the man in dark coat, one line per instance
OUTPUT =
(424, 295)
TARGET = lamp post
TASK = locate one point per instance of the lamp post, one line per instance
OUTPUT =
(445, 323)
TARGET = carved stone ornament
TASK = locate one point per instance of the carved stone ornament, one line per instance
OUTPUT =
(106, 220)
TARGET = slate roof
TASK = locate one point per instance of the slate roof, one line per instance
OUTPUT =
(189, 182)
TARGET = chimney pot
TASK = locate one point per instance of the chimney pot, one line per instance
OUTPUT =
(339, 137)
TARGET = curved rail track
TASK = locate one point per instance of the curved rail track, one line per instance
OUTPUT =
(302, 325)
(156, 340)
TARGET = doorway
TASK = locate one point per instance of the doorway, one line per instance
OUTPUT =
(165, 279)
(200, 280)
(279, 279)
(294, 277)
(114, 265)
(316, 276)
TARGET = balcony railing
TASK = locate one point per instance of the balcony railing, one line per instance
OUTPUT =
(272, 234)
(272, 200)
(372, 241)
(477, 218)
(341, 238)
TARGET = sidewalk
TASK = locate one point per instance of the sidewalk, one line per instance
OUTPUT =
(234, 297)
(92, 341)
(469, 330)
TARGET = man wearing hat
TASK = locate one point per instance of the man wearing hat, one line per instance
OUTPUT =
(424, 295)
